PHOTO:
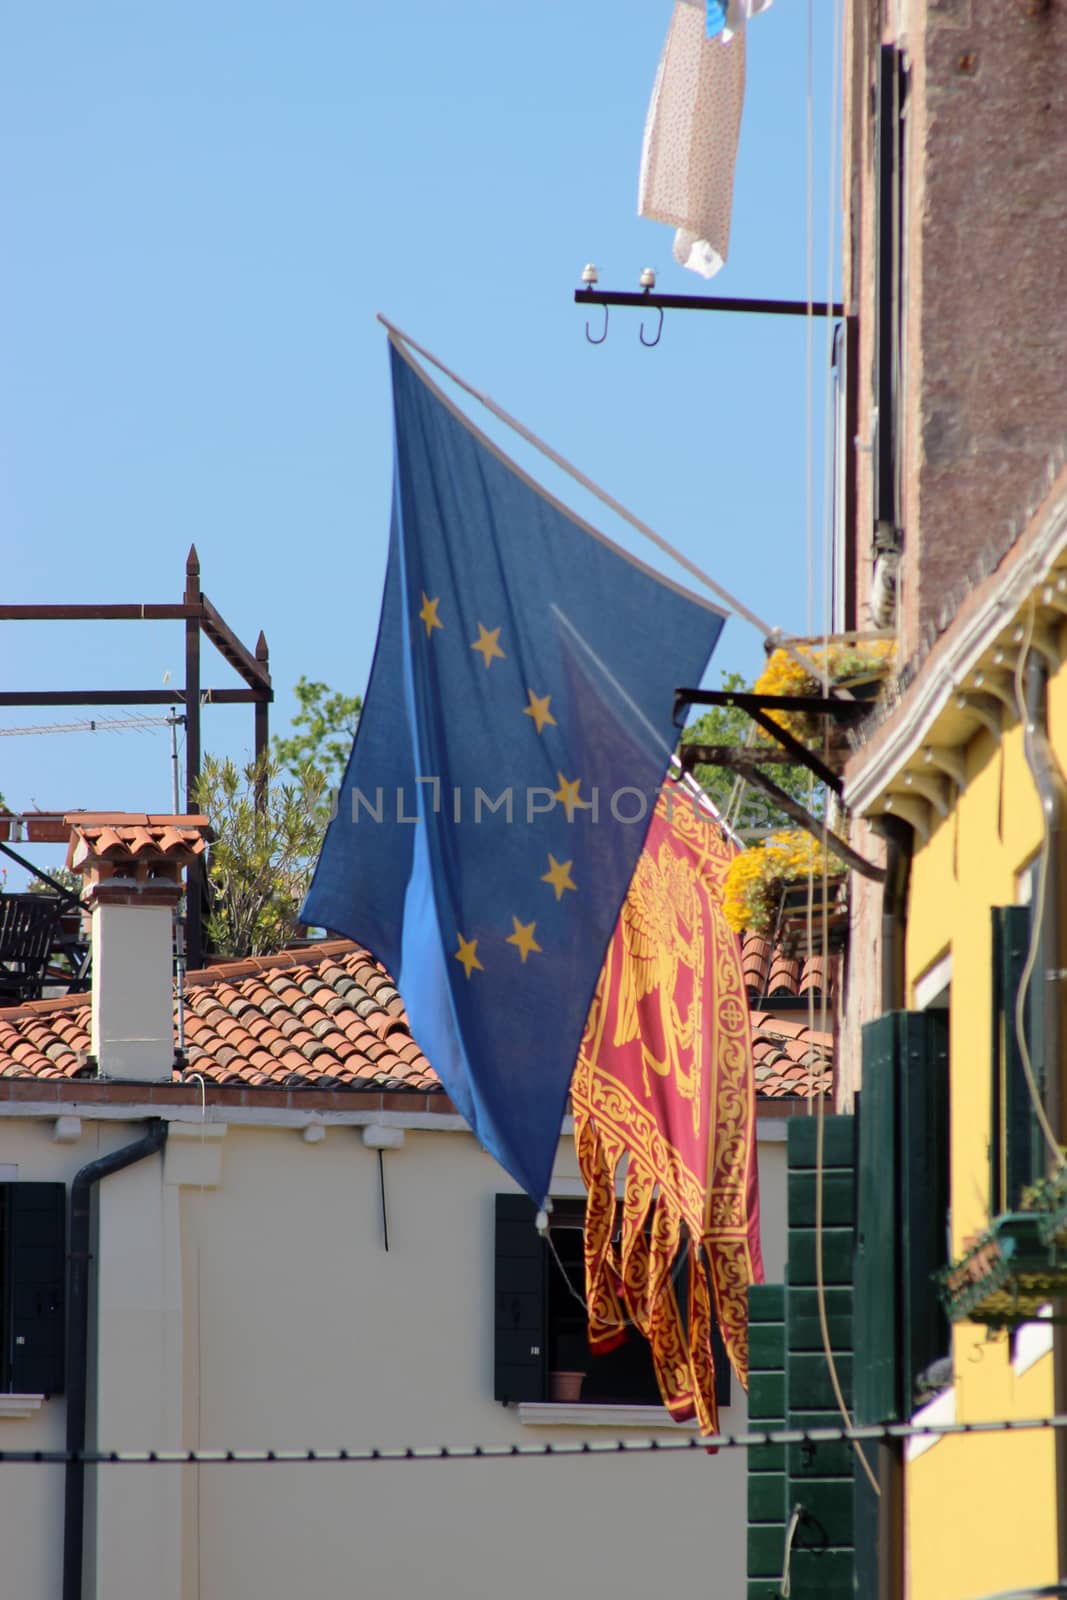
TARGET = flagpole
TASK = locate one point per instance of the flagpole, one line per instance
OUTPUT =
(579, 477)
(772, 636)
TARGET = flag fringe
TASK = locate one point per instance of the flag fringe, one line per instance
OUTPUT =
(635, 1282)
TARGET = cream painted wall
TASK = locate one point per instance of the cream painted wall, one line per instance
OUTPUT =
(980, 1512)
(298, 1328)
(31, 1497)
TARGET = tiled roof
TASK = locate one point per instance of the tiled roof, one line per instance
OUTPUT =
(119, 834)
(769, 972)
(327, 1017)
(790, 1059)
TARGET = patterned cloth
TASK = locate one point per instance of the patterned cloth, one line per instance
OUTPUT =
(691, 134)
(664, 1077)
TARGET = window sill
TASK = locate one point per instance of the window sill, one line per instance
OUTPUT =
(13, 1406)
(547, 1414)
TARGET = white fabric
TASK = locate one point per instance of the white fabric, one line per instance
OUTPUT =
(691, 134)
(738, 12)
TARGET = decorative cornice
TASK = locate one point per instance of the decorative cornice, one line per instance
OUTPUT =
(966, 681)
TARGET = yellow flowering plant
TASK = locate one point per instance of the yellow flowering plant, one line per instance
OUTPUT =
(846, 665)
(757, 877)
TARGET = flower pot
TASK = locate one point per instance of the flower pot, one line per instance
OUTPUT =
(1007, 1274)
(829, 917)
(565, 1387)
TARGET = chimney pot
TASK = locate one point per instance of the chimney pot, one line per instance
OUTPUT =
(131, 866)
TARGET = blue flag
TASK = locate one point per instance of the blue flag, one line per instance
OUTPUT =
(515, 733)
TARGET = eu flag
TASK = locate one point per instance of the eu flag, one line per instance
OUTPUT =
(515, 733)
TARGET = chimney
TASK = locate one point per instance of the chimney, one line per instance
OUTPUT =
(131, 866)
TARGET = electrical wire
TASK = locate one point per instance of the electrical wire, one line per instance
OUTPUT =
(1037, 910)
(786, 1586)
(809, 319)
(824, 870)
(749, 1440)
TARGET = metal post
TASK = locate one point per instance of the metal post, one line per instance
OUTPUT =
(194, 910)
(262, 730)
(175, 784)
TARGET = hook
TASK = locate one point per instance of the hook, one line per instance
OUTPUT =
(603, 336)
(650, 344)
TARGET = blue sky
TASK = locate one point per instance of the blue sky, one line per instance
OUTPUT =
(204, 206)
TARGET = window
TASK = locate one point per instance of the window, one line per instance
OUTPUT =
(32, 1266)
(540, 1328)
(1017, 1155)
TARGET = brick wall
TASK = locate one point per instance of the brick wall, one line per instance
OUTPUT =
(985, 345)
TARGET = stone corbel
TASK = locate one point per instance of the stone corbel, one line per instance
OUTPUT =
(911, 809)
(984, 707)
(950, 761)
(932, 787)
(1001, 685)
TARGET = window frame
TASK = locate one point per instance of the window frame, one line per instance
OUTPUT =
(518, 1278)
(33, 1258)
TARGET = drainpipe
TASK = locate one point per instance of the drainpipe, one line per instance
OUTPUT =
(900, 840)
(1052, 791)
(77, 1375)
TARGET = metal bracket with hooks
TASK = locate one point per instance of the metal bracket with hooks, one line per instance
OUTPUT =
(590, 278)
(589, 294)
(603, 336)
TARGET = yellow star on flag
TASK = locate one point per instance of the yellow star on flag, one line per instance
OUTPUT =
(467, 955)
(559, 876)
(538, 710)
(428, 615)
(567, 795)
(488, 642)
(523, 938)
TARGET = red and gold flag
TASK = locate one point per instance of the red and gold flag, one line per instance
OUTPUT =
(664, 1078)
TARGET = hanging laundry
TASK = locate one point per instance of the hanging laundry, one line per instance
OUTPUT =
(692, 129)
(726, 16)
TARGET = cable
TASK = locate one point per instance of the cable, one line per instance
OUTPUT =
(809, 319)
(876, 1433)
(404, 344)
(1037, 911)
(790, 1535)
(824, 910)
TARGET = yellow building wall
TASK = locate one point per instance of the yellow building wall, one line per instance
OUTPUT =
(981, 1510)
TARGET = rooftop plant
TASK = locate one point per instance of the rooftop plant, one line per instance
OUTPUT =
(759, 875)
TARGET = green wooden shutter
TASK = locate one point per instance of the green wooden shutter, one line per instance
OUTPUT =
(902, 1209)
(924, 1193)
(820, 1477)
(1016, 1154)
(877, 1276)
(767, 1510)
(35, 1270)
(520, 1347)
(785, 1328)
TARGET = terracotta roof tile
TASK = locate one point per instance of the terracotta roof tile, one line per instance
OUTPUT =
(769, 972)
(115, 834)
(789, 1059)
(330, 1017)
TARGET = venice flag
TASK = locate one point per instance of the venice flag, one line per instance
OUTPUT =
(664, 1100)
